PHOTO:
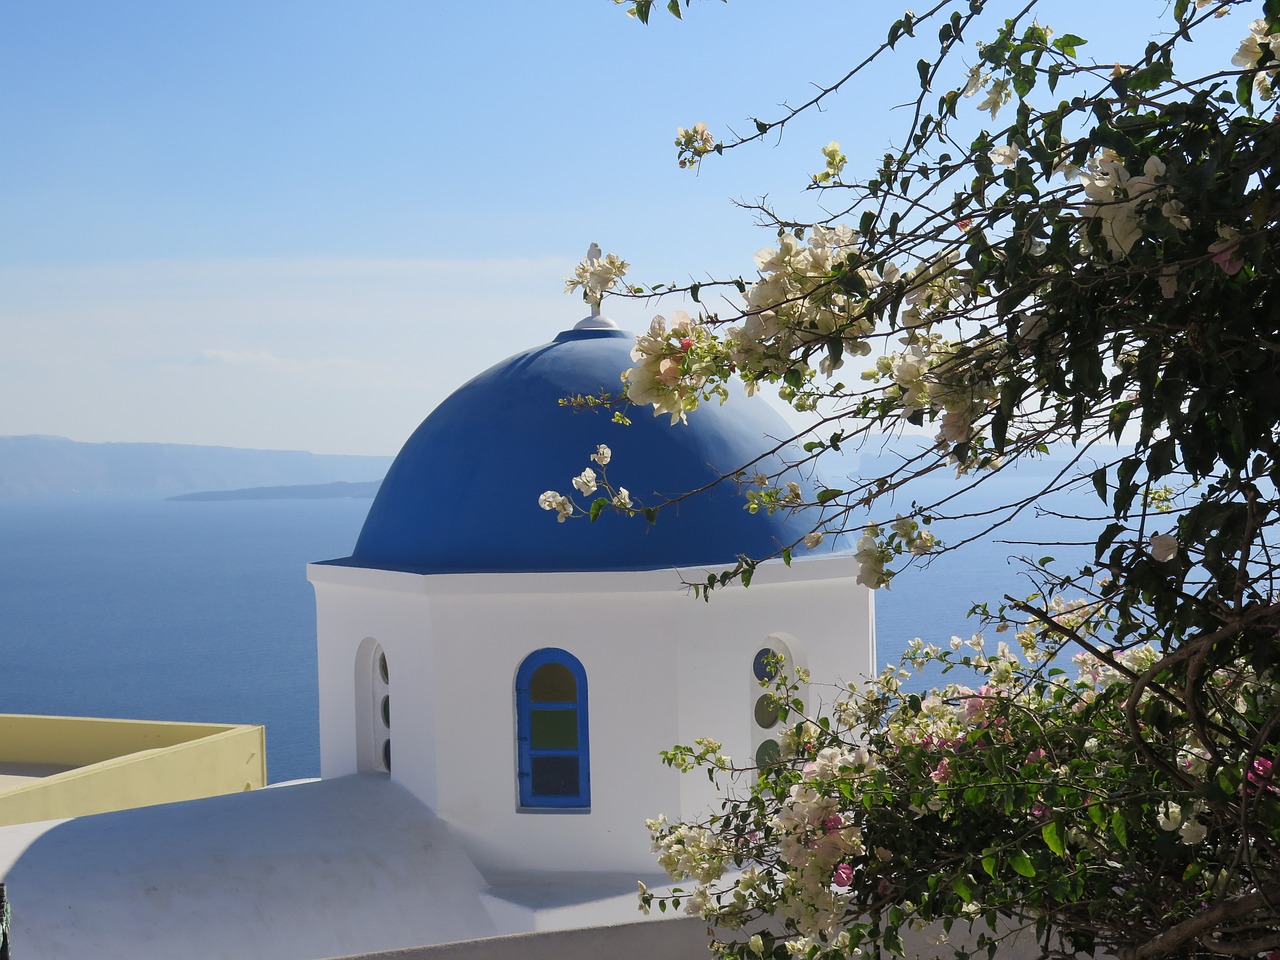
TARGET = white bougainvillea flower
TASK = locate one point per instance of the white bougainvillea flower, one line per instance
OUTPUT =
(1172, 210)
(998, 94)
(602, 455)
(1192, 831)
(1005, 155)
(974, 82)
(551, 500)
(813, 538)
(585, 482)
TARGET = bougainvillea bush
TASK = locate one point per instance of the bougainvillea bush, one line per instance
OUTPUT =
(1015, 804)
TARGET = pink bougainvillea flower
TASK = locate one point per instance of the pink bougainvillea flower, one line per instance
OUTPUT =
(843, 876)
(1261, 775)
(1226, 252)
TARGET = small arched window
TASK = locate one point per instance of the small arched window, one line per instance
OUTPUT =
(552, 756)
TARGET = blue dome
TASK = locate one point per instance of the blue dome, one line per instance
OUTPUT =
(462, 496)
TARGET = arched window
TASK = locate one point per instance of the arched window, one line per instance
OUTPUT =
(552, 756)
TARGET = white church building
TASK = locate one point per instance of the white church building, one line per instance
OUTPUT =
(495, 688)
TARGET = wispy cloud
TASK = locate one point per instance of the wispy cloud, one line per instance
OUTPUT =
(326, 354)
(242, 358)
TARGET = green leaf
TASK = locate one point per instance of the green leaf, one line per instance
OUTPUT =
(1022, 864)
(1052, 834)
(596, 506)
(923, 67)
(826, 496)
(1120, 828)
(1067, 44)
(1097, 815)
(1244, 91)
(989, 865)
(673, 8)
(962, 888)
(1108, 537)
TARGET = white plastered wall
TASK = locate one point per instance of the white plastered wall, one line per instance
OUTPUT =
(662, 668)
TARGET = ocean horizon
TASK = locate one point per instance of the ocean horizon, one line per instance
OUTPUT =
(138, 607)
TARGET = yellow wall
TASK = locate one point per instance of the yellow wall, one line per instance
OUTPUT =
(120, 764)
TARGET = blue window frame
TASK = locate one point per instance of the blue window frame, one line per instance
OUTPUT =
(553, 756)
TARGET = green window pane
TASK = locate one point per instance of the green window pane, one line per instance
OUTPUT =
(553, 729)
(768, 753)
(553, 683)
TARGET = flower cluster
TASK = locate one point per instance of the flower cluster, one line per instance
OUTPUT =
(1261, 42)
(676, 367)
(587, 483)
(836, 161)
(1118, 199)
(930, 376)
(800, 302)
(693, 144)
(877, 548)
(596, 275)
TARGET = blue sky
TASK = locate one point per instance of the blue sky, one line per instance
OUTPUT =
(286, 224)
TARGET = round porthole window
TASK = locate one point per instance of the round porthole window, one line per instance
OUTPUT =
(765, 666)
(382, 668)
(386, 754)
(386, 712)
(768, 753)
(766, 711)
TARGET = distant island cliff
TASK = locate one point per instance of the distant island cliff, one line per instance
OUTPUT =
(43, 465)
(303, 491)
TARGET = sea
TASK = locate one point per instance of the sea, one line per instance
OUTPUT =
(116, 606)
